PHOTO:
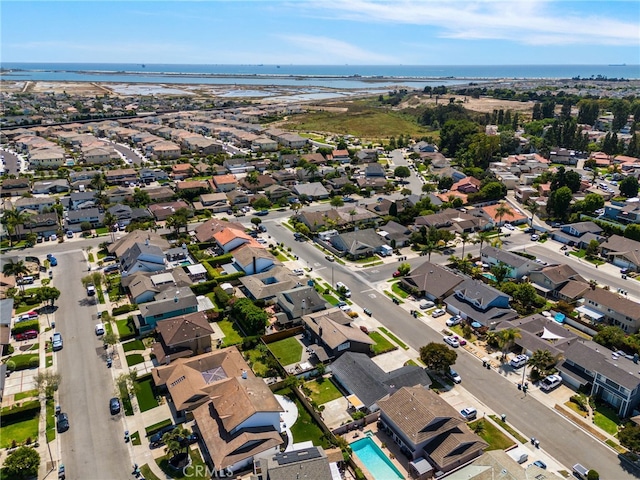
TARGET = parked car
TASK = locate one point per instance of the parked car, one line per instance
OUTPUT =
(580, 471)
(62, 422)
(69, 234)
(529, 230)
(540, 464)
(109, 259)
(54, 237)
(111, 268)
(550, 382)
(155, 440)
(455, 320)
(396, 274)
(452, 340)
(91, 289)
(438, 312)
(262, 228)
(331, 258)
(518, 361)
(364, 329)
(298, 271)
(28, 335)
(508, 226)
(262, 213)
(469, 413)
(114, 406)
(27, 316)
(56, 342)
(535, 237)
(100, 329)
(453, 375)
(426, 304)
(368, 312)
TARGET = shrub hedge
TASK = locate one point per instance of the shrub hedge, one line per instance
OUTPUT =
(123, 309)
(26, 411)
(220, 260)
(25, 326)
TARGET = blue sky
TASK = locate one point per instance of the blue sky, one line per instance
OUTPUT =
(331, 32)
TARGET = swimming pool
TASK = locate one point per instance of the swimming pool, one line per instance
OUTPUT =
(490, 276)
(375, 460)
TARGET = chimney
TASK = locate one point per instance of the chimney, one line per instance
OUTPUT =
(320, 332)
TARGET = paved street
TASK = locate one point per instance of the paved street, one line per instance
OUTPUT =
(93, 448)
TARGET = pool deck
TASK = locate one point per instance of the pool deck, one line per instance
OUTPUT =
(390, 449)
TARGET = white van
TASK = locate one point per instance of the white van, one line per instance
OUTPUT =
(518, 454)
(342, 288)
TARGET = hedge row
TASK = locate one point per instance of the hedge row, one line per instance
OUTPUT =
(22, 327)
(203, 288)
(156, 427)
(220, 260)
(26, 411)
(211, 272)
(123, 309)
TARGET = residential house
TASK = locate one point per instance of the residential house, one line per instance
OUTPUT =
(15, 187)
(252, 260)
(121, 176)
(162, 211)
(180, 171)
(292, 140)
(142, 257)
(313, 191)
(395, 234)
(42, 224)
(375, 183)
(224, 183)
(120, 247)
(266, 285)
(366, 383)
(123, 213)
(612, 308)
(59, 185)
(477, 302)
(196, 186)
(167, 304)
(237, 165)
(264, 144)
(276, 192)
(498, 464)
(80, 200)
(160, 194)
(152, 174)
(518, 265)
(579, 234)
(301, 463)
(453, 220)
(431, 281)
(298, 301)
(332, 333)
(341, 156)
(559, 281)
(205, 232)
(47, 158)
(119, 194)
(236, 415)
(97, 156)
(367, 155)
(144, 286)
(374, 170)
(285, 177)
(215, 202)
(75, 218)
(262, 181)
(627, 214)
(513, 216)
(230, 238)
(183, 336)
(31, 204)
(425, 426)
(359, 243)
(237, 198)
(622, 252)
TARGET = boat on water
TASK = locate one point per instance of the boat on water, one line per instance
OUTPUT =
(617, 64)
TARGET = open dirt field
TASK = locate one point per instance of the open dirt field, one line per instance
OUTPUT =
(483, 105)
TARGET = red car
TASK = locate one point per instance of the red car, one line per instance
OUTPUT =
(28, 335)
(396, 274)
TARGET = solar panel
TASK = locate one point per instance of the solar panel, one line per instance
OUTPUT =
(297, 456)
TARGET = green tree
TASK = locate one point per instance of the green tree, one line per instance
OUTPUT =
(559, 202)
(336, 201)
(592, 202)
(11, 219)
(500, 271)
(592, 249)
(526, 296)
(507, 338)
(179, 220)
(437, 357)
(629, 187)
(109, 220)
(611, 337)
(402, 172)
(262, 203)
(632, 231)
(541, 361)
(533, 208)
(48, 294)
(140, 198)
(22, 463)
(629, 437)
(47, 382)
(98, 182)
(256, 221)
(251, 317)
(404, 268)
(17, 269)
(175, 441)
(465, 237)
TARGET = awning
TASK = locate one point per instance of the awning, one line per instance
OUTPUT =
(548, 335)
(421, 466)
(592, 314)
(355, 402)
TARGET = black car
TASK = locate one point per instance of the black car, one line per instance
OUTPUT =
(112, 268)
(114, 406)
(155, 440)
(530, 230)
(62, 422)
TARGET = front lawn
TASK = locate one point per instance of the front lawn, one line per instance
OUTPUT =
(126, 328)
(197, 469)
(394, 338)
(232, 335)
(146, 395)
(23, 362)
(258, 362)
(382, 345)
(287, 351)
(20, 431)
(134, 359)
(606, 419)
(50, 421)
(492, 435)
(395, 288)
(27, 394)
(133, 345)
(305, 428)
(323, 390)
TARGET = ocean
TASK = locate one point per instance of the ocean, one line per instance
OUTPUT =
(330, 76)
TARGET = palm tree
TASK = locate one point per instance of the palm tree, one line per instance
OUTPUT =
(533, 208)
(176, 441)
(98, 182)
(482, 237)
(312, 170)
(541, 361)
(502, 210)
(464, 238)
(428, 248)
(11, 219)
(506, 339)
(17, 269)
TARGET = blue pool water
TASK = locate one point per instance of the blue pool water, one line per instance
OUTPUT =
(490, 276)
(375, 460)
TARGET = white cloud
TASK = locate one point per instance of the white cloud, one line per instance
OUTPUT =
(532, 22)
(316, 49)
